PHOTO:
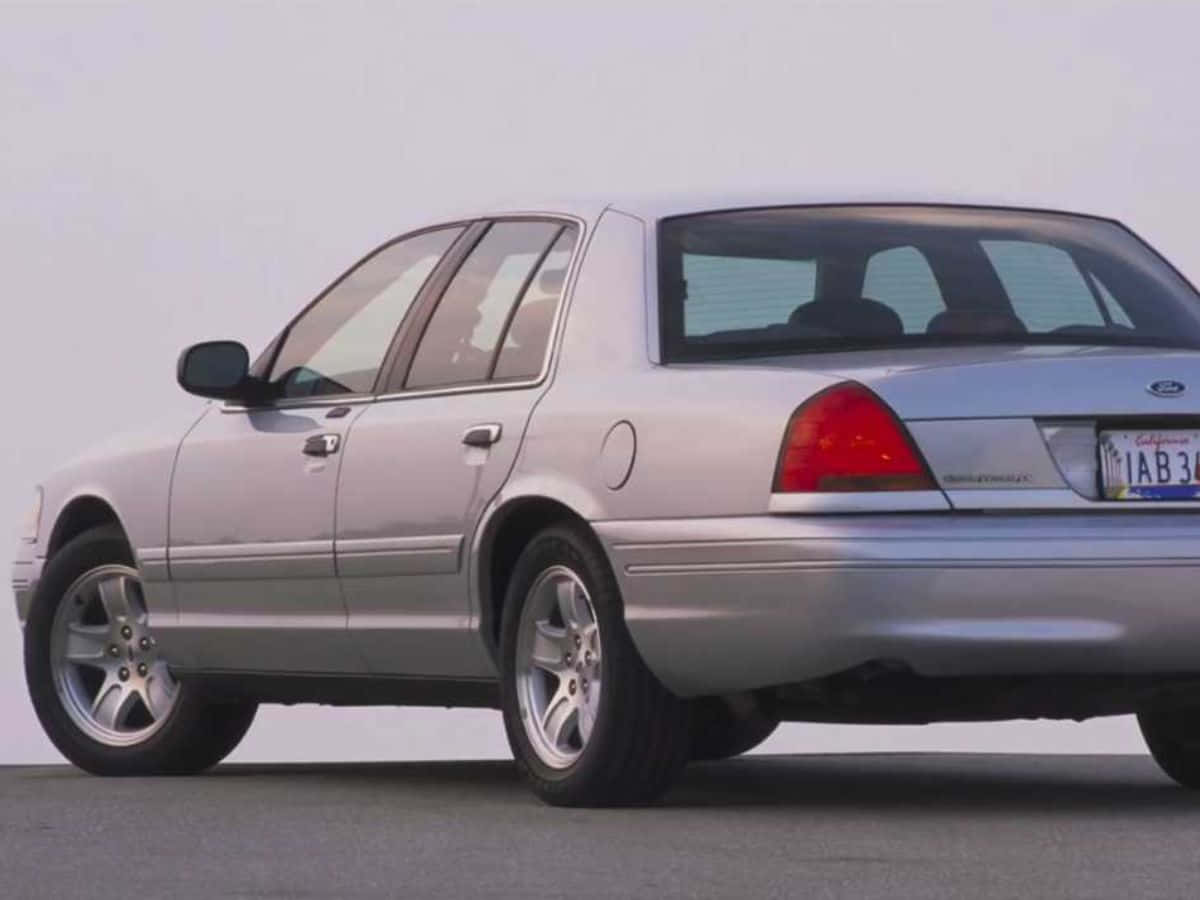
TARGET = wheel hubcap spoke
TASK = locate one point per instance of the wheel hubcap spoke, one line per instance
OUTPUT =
(558, 717)
(572, 606)
(114, 595)
(87, 644)
(549, 647)
(159, 691)
(587, 718)
(113, 704)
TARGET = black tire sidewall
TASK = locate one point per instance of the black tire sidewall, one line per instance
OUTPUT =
(1173, 738)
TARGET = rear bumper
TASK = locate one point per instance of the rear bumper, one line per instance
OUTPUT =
(732, 604)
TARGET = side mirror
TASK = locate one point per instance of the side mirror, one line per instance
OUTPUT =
(217, 369)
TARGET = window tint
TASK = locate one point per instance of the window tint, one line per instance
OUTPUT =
(737, 292)
(337, 346)
(1044, 285)
(462, 335)
(901, 278)
(1115, 311)
(524, 347)
(989, 275)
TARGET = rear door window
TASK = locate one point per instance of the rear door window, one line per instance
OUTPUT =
(523, 350)
(464, 334)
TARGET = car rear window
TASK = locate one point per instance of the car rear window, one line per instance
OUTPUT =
(796, 279)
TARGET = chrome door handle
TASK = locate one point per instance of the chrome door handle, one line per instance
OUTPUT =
(481, 435)
(322, 444)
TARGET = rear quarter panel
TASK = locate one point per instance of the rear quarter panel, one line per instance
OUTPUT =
(706, 437)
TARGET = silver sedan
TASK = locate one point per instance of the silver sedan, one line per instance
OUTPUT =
(651, 477)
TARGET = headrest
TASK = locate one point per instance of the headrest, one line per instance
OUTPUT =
(858, 317)
(975, 322)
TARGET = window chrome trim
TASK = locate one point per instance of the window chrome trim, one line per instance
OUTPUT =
(475, 387)
(301, 403)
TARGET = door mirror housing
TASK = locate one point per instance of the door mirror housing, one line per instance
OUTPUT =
(216, 369)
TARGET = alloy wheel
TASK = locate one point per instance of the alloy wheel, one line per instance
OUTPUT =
(558, 667)
(107, 670)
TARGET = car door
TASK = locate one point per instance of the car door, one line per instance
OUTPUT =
(424, 460)
(252, 497)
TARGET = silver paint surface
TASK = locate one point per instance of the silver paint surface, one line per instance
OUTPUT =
(256, 557)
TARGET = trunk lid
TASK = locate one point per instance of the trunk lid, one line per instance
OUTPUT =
(1004, 381)
(1018, 427)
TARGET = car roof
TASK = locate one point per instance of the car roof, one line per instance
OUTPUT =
(652, 206)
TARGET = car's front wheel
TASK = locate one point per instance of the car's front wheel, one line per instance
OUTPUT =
(1173, 736)
(589, 724)
(102, 691)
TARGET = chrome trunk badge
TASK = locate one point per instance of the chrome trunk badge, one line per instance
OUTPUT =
(1166, 387)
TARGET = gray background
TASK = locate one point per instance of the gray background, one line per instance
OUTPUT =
(170, 173)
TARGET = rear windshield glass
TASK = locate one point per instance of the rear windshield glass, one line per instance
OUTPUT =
(794, 279)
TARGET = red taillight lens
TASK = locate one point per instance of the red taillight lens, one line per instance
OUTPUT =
(847, 439)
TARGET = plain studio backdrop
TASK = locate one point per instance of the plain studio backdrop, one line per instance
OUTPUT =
(170, 173)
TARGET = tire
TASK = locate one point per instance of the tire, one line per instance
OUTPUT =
(723, 728)
(638, 739)
(1173, 736)
(91, 575)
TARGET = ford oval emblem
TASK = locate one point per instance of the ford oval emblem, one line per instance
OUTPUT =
(1167, 387)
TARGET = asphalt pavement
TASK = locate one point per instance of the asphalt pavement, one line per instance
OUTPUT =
(872, 826)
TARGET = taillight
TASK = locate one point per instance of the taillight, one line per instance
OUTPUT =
(847, 439)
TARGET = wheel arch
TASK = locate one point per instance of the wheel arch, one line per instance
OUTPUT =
(503, 536)
(79, 514)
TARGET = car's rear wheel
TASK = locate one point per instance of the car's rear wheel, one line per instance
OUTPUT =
(102, 691)
(589, 724)
(724, 727)
(1173, 736)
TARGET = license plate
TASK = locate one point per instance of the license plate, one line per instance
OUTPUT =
(1150, 465)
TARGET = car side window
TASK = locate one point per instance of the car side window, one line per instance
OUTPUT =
(1045, 287)
(464, 333)
(338, 344)
(524, 347)
(901, 278)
